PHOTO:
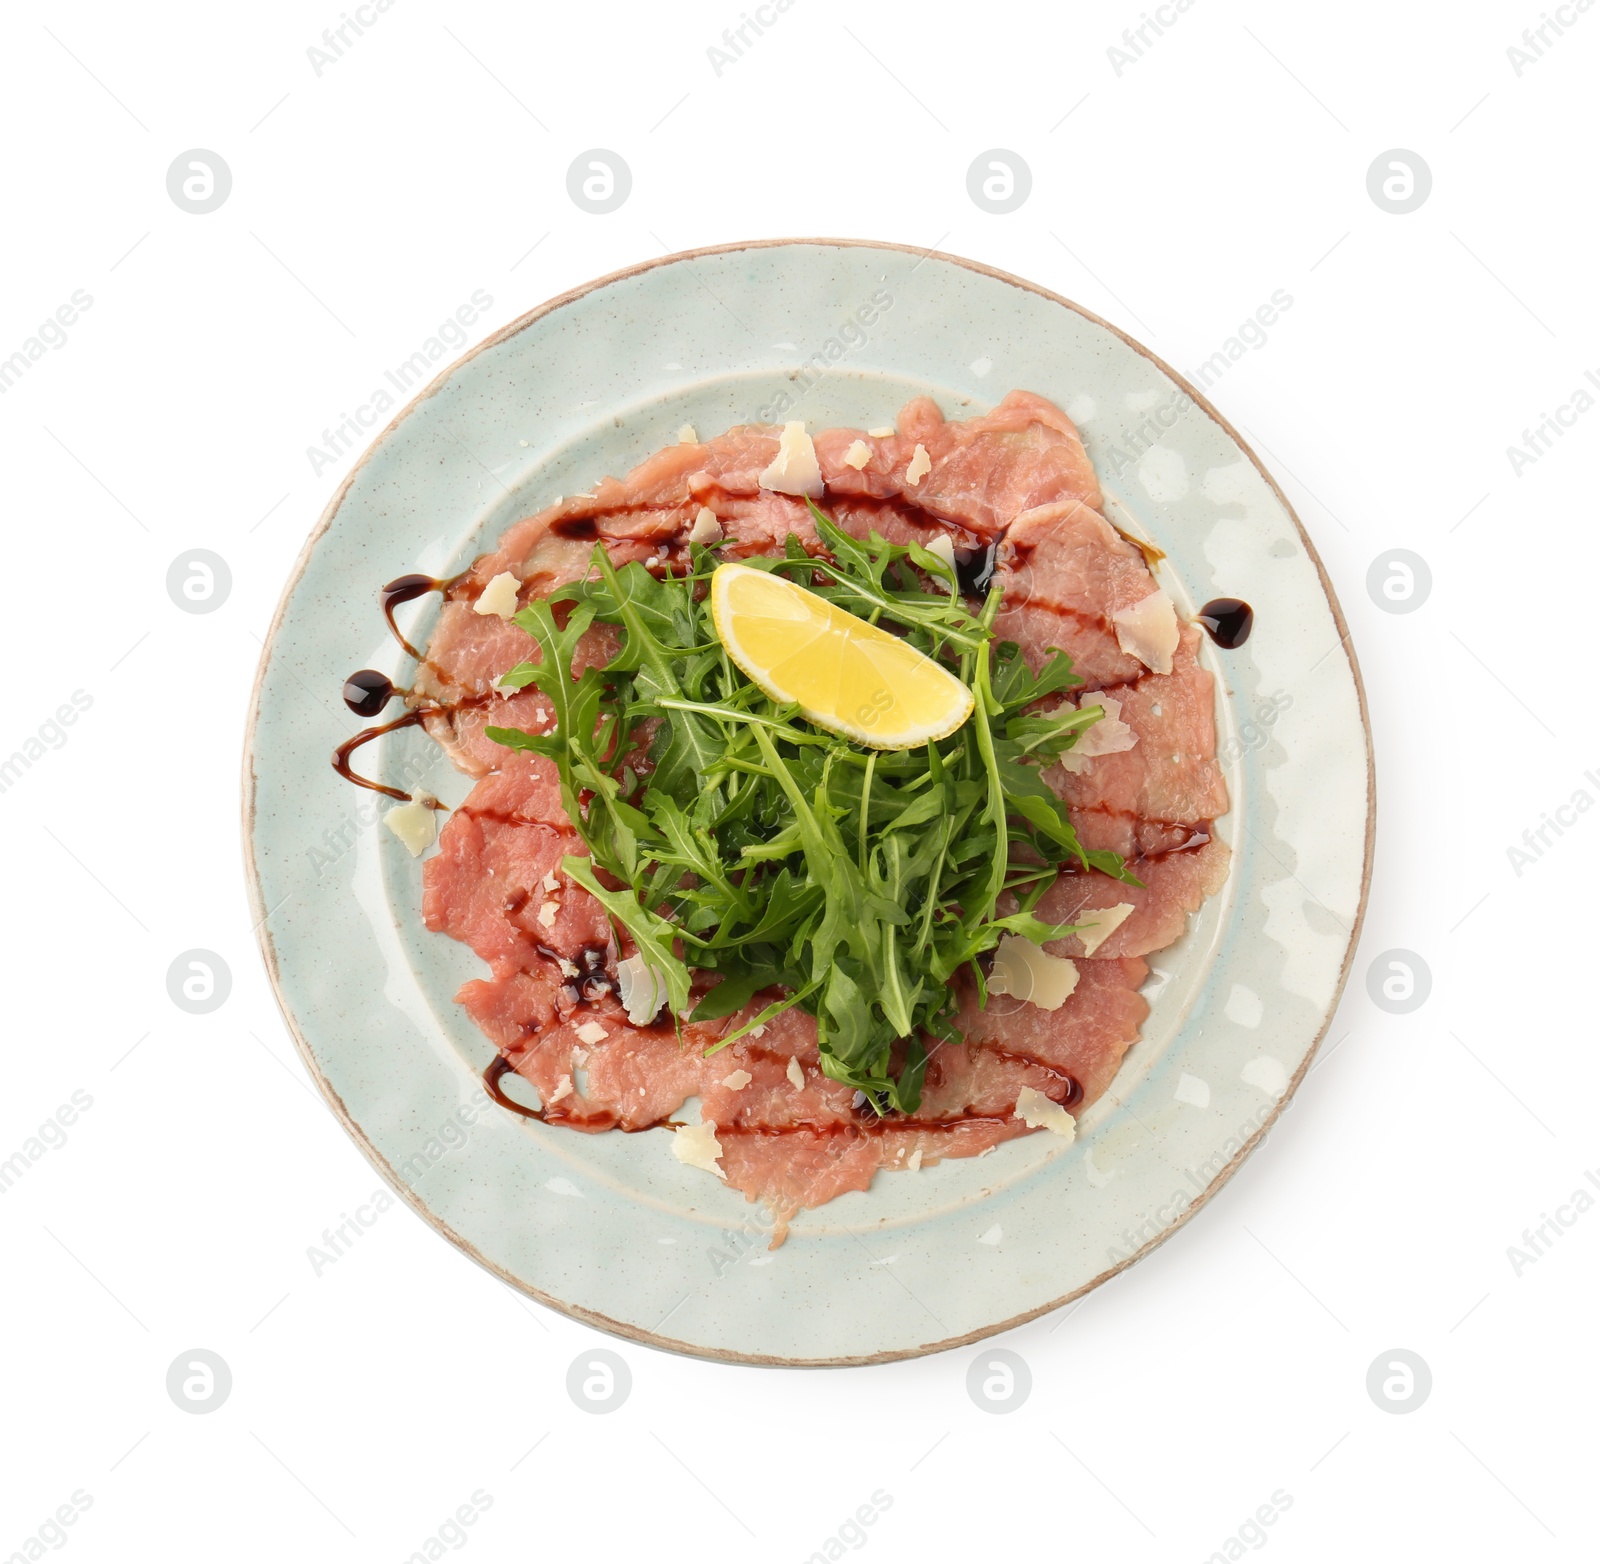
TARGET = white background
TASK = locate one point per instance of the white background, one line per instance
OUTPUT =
(1227, 162)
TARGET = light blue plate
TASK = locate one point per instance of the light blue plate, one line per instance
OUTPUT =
(611, 1228)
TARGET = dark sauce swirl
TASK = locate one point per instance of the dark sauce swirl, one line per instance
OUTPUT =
(406, 589)
(342, 755)
(367, 692)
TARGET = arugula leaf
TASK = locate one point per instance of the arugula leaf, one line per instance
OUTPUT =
(736, 839)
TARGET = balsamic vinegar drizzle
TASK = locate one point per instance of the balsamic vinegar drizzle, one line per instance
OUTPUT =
(1228, 621)
(976, 570)
(403, 589)
(341, 756)
(497, 1071)
(367, 692)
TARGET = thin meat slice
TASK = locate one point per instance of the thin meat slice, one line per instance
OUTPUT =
(1171, 773)
(1086, 1038)
(984, 471)
(770, 1097)
(1122, 832)
(1065, 571)
(800, 1169)
(457, 686)
(1175, 884)
(515, 1005)
(974, 1078)
(487, 885)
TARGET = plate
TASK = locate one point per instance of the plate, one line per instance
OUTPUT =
(611, 1229)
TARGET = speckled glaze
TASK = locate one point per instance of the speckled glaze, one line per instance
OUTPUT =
(611, 1228)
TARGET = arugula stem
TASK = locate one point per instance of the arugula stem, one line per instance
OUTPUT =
(866, 808)
(775, 1009)
(731, 847)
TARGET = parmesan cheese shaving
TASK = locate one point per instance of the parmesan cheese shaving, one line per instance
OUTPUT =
(640, 988)
(551, 883)
(414, 824)
(1149, 631)
(883, 433)
(707, 530)
(1095, 928)
(859, 454)
(563, 1089)
(499, 597)
(794, 469)
(1039, 1112)
(1025, 971)
(592, 1032)
(945, 549)
(547, 914)
(698, 1146)
(687, 436)
(738, 1080)
(919, 467)
(915, 1163)
(797, 1076)
(1109, 736)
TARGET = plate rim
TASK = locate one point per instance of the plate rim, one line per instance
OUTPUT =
(335, 1102)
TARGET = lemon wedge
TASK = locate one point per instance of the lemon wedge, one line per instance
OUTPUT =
(846, 675)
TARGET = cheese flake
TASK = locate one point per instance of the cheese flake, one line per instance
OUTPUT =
(697, 1146)
(794, 469)
(1025, 971)
(706, 530)
(859, 454)
(1096, 927)
(687, 436)
(551, 883)
(563, 1089)
(499, 597)
(414, 824)
(1039, 1112)
(592, 1032)
(738, 1080)
(797, 1076)
(1109, 736)
(945, 549)
(1149, 631)
(914, 1165)
(547, 914)
(919, 466)
(641, 989)
(882, 433)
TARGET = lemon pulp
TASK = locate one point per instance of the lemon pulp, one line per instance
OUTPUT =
(846, 675)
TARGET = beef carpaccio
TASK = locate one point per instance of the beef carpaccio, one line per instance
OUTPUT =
(1014, 492)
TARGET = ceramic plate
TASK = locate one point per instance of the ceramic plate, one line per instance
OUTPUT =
(611, 1228)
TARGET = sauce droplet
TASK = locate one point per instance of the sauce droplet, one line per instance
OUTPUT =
(1228, 621)
(367, 692)
(976, 570)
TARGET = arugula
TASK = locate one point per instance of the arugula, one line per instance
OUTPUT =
(732, 840)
